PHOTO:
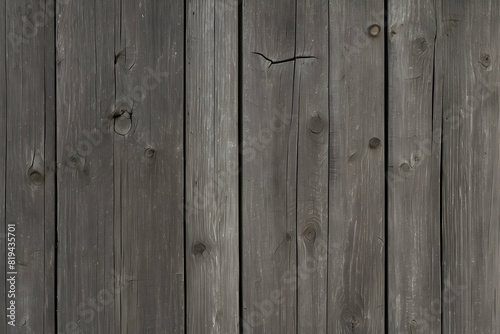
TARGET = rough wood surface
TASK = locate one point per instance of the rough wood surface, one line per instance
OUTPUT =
(311, 107)
(120, 128)
(148, 165)
(28, 117)
(356, 269)
(86, 282)
(212, 237)
(469, 50)
(414, 273)
(269, 167)
(3, 161)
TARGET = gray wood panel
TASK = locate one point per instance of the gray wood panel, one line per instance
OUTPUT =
(356, 269)
(469, 50)
(269, 166)
(87, 285)
(3, 161)
(148, 165)
(212, 261)
(414, 272)
(28, 60)
(311, 107)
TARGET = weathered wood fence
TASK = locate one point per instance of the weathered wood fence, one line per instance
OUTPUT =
(264, 166)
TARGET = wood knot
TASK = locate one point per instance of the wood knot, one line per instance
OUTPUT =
(310, 234)
(374, 30)
(199, 248)
(374, 143)
(405, 167)
(36, 177)
(36, 171)
(74, 161)
(485, 60)
(150, 155)
(421, 44)
(413, 326)
(352, 318)
(316, 124)
(122, 121)
(288, 236)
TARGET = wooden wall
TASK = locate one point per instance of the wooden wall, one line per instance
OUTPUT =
(255, 166)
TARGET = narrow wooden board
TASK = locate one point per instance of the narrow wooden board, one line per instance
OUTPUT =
(212, 245)
(311, 106)
(269, 167)
(3, 162)
(414, 272)
(29, 175)
(356, 264)
(148, 165)
(469, 51)
(87, 285)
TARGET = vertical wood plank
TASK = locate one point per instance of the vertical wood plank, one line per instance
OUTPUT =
(311, 105)
(148, 165)
(469, 52)
(212, 263)
(3, 161)
(414, 171)
(28, 75)
(356, 232)
(87, 285)
(269, 167)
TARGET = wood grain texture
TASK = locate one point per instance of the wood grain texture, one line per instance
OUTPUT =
(148, 165)
(86, 281)
(28, 57)
(356, 178)
(269, 167)
(212, 262)
(311, 107)
(3, 160)
(469, 51)
(414, 171)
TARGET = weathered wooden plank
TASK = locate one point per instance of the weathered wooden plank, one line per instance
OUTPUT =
(212, 263)
(29, 202)
(269, 167)
(148, 165)
(414, 272)
(311, 106)
(356, 184)
(86, 283)
(3, 162)
(469, 50)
